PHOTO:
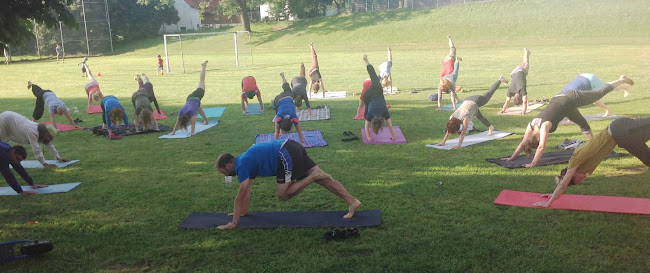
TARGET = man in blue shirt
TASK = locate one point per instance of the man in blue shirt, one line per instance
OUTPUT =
(13, 155)
(289, 162)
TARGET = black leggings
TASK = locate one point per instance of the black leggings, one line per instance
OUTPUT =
(582, 98)
(39, 108)
(286, 92)
(481, 100)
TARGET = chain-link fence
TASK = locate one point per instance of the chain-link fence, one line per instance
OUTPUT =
(378, 5)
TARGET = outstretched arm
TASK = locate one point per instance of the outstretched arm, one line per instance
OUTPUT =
(193, 125)
(367, 128)
(462, 133)
(390, 128)
(259, 98)
(302, 140)
(543, 135)
(276, 134)
(561, 187)
(242, 202)
(175, 127)
(524, 141)
(505, 106)
(67, 115)
(205, 118)
(525, 106)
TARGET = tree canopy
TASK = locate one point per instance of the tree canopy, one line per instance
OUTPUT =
(16, 17)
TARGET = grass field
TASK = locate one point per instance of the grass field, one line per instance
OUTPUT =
(124, 216)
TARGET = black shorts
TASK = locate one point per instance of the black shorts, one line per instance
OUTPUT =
(198, 93)
(251, 94)
(293, 162)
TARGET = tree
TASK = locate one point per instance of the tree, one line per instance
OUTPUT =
(16, 17)
(132, 20)
(241, 7)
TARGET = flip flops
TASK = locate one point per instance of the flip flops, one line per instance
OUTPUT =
(349, 136)
(339, 234)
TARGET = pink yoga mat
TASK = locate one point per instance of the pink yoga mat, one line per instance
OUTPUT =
(63, 127)
(94, 109)
(157, 116)
(361, 115)
(598, 203)
(384, 136)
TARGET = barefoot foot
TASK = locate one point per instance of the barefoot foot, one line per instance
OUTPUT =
(352, 208)
(503, 80)
(627, 80)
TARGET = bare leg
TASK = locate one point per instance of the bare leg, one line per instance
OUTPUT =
(302, 70)
(88, 73)
(146, 79)
(202, 75)
(602, 105)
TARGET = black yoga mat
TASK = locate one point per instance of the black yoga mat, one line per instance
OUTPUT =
(547, 159)
(294, 219)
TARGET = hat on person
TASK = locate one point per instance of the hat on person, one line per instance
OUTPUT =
(158, 55)
(51, 129)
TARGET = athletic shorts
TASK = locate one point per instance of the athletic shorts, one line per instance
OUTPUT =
(198, 93)
(250, 94)
(293, 162)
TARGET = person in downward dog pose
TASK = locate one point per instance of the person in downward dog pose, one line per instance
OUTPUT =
(192, 106)
(92, 88)
(467, 111)
(590, 82)
(299, 90)
(376, 111)
(286, 116)
(386, 79)
(629, 134)
(563, 105)
(290, 163)
(517, 90)
(449, 75)
(249, 90)
(54, 105)
(141, 100)
(314, 73)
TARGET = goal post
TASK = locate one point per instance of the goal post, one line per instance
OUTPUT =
(185, 51)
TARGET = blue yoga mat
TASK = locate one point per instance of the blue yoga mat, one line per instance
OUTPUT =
(49, 189)
(34, 164)
(294, 219)
(254, 109)
(450, 107)
(180, 133)
(214, 112)
(313, 138)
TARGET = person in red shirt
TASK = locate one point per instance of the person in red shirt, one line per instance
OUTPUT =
(249, 90)
(160, 66)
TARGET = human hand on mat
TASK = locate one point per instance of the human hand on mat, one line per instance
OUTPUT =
(63, 160)
(507, 159)
(27, 192)
(35, 186)
(230, 225)
(543, 204)
(529, 165)
(369, 138)
(205, 122)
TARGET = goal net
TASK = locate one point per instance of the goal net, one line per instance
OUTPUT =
(185, 52)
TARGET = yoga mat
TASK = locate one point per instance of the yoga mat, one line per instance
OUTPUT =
(361, 114)
(547, 159)
(63, 127)
(471, 140)
(294, 219)
(614, 204)
(180, 133)
(49, 189)
(312, 138)
(384, 136)
(121, 130)
(94, 109)
(157, 116)
(318, 113)
(254, 109)
(330, 95)
(34, 164)
(450, 107)
(213, 112)
(593, 117)
(516, 110)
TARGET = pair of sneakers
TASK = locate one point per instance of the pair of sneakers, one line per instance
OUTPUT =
(338, 234)
(349, 136)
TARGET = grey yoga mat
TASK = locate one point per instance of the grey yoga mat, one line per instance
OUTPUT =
(294, 219)
(547, 159)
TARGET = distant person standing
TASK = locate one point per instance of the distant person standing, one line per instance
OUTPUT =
(7, 54)
(59, 53)
(160, 66)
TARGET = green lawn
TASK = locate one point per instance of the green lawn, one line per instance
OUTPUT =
(124, 216)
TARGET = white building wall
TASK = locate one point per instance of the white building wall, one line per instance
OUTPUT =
(189, 19)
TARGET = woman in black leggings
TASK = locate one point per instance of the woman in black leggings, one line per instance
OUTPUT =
(467, 111)
(562, 105)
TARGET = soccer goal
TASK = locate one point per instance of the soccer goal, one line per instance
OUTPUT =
(184, 52)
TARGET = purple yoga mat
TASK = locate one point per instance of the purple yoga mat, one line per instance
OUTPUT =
(384, 136)
(312, 138)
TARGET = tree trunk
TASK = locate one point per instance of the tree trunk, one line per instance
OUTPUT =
(245, 21)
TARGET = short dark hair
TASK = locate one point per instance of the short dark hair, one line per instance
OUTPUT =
(453, 125)
(19, 150)
(224, 159)
(285, 124)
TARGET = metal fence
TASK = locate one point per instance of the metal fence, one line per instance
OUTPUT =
(379, 5)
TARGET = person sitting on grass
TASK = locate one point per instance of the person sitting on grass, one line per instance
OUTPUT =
(590, 82)
(563, 105)
(92, 88)
(449, 75)
(386, 79)
(314, 73)
(285, 116)
(249, 90)
(17, 128)
(12, 156)
(54, 104)
(112, 114)
(517, 90)
(290, 163)
(376, 112)
(142, 103)
(629, 134)
(192, 106)
(299, 90)
(467, 111)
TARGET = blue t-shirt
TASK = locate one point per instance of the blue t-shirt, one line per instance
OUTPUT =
(259, 160)
(286, 108)
(110, 103)
(579, 83)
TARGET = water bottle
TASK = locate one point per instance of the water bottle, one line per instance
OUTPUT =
(228, 181)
